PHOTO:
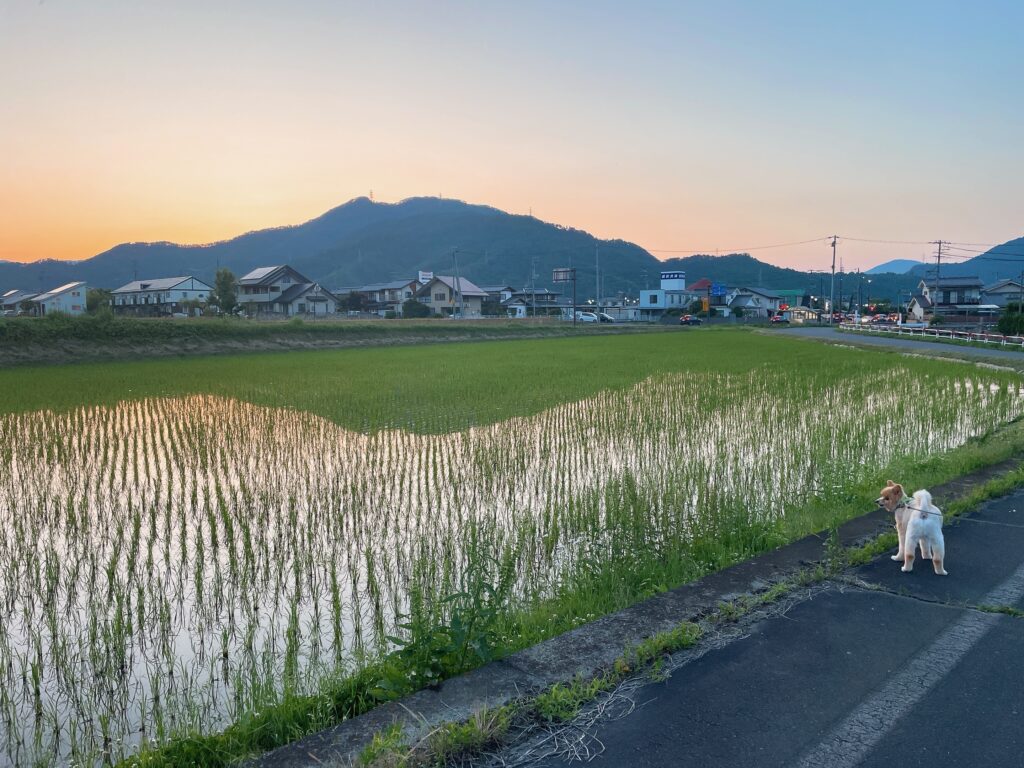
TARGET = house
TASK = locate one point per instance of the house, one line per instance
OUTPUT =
(753, 302)
(283, 291)
(535, 302)
(671, 296)
(919, 306)
(382, 298)
(1003, 292)
(161, 296)
(499, 293)
(952, 294)
(69, 299)
(11, 301)
(445, 296)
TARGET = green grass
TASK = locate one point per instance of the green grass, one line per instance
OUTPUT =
(577, 551)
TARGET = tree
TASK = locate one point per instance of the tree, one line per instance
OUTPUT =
(96, 299)
(352, 302)
(223, 295)
(413, 308)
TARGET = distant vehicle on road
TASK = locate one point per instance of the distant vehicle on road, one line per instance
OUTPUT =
(587, 317)
(689, 320)
(779, 320)
(604, 317)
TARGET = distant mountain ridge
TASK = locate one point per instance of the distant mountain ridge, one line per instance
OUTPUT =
(363, 241)
(895, 266)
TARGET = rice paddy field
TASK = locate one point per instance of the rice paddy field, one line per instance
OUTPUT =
(186, 544)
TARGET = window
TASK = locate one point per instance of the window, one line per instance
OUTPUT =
(301, 308)
(652, 299)
(439, 297)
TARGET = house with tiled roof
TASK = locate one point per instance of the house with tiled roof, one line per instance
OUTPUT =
(283, 291)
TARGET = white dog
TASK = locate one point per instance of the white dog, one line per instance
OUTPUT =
(918, 523)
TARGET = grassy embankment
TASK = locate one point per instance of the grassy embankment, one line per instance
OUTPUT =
(436, 390)
(61, 338)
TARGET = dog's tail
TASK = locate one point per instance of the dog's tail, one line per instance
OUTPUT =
(923, 501)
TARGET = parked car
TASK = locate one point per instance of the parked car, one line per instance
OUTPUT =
(689, 320)
(779, 320)
(604, 317)
(587, 317)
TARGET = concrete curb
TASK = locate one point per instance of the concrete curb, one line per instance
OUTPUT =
(587, 649)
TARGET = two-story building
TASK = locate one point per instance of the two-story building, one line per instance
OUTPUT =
(447, 296)
(753, 302)
(69, 298)
(160, 296)
(671, 296)
(952, 294)
(283, 291)
(382, 298)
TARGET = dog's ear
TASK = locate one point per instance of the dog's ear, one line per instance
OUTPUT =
(889, 483)
(898, 488)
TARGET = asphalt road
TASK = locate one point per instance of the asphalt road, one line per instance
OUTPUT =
(881, 668)
(929, 347)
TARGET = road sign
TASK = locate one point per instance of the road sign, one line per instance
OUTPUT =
(718, 289)
(563, 275)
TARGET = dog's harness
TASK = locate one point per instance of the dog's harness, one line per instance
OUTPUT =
(904, 505)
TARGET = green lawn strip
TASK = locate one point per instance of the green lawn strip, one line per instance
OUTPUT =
(605, 592)
(413, 387)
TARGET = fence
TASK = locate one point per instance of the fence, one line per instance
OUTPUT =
(937, 333)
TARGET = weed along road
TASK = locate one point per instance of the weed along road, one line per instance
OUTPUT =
(872, 667)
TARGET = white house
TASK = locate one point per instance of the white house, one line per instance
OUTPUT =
(69, 299)
(161, 296)
(283, 291)
(11, 301)
(672, 295)
(754, 302)
(444, 295)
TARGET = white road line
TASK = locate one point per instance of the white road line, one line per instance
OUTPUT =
(849, 742)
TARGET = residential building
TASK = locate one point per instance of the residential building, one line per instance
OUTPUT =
(1003, 292)
(919, 306)
(499, 293)
(160, 296)
(444, 295)
(382, 298)
(11, 301)
(671, 296)
(753, 302)
(283, 291)
(952, 294)
(69, 299)
(531, 302)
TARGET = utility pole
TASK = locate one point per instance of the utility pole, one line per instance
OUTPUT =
(458, 283)
(597, 275)
(832, 290)
(938, 266)
(1020, 302)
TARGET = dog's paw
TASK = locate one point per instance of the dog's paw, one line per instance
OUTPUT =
(907, 570)
(943, 573)
(897, 556)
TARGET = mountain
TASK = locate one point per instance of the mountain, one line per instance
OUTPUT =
(1002, 261)
(364, 241)
(896, 266)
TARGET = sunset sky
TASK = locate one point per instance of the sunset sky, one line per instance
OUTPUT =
(681, 126)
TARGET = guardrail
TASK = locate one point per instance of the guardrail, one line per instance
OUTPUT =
(936, 333)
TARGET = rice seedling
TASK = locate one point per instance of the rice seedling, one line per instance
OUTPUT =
(175, 564)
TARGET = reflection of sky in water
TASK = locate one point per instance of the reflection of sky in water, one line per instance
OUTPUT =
(156, 553)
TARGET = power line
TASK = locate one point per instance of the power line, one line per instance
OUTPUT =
(738, 250)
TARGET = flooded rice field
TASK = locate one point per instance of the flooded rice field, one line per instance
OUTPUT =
(172, 564)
